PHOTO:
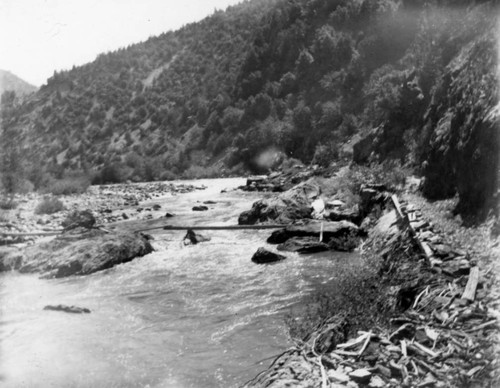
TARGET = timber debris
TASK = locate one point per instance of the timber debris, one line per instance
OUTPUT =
(444, 337)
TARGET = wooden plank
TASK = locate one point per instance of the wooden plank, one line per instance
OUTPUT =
(54, 233)
(425, 249)
(212, 227)
(470, 288)
(397, 205)
(352, 343)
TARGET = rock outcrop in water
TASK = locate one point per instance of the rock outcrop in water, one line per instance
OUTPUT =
(263, 256)
(83, 253)
(294, 204)
(193, 238)
(342, 235)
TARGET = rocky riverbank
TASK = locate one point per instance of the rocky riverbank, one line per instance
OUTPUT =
(107, 203)
(435, 299)
(83, 245)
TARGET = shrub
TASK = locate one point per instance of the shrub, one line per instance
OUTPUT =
(67, 186)
(49, 205)
(325, 154)
(168, 175)
(7, 204)
(197, 172)
(110, 173)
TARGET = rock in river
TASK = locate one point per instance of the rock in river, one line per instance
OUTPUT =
(200, 208)
(263, 256)
(340, 235)
(303, 245)
(292, 205)
(68, 309)
(84, 253)
(193, 238)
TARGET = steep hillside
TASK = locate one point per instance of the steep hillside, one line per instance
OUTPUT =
(416, 81)
(134, 105)
(11, 82)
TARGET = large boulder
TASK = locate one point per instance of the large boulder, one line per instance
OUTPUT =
(79, 219)
(263, 256)
(342, 235)
(303, 245)
(294, 204)
(84, 253)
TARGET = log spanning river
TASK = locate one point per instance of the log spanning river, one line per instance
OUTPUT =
(183, 316)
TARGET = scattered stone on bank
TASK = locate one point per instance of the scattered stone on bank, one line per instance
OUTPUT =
(68, 309)
(193, 238)
(169, 215)
(263, 256)
(200, 208)
(83, 252)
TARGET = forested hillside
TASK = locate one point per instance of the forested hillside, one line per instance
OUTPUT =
(411, 81)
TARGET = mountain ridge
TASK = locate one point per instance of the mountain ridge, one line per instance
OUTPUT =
(11, 82)
(295, 78)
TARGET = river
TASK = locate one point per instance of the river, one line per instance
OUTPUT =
(183, 316)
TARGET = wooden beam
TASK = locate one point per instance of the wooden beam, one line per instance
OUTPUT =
(212, 227)
(470, 288)
(54, 233)
(397, 205)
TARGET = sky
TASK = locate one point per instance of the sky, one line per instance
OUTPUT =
(40, 36)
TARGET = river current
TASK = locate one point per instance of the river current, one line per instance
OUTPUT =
(184, 316)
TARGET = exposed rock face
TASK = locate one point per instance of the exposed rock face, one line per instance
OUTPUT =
(342, 235)
(83, 254)
(292, 205)
(363, 148)
(263, 256)
(455, 121)
(463, 130)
